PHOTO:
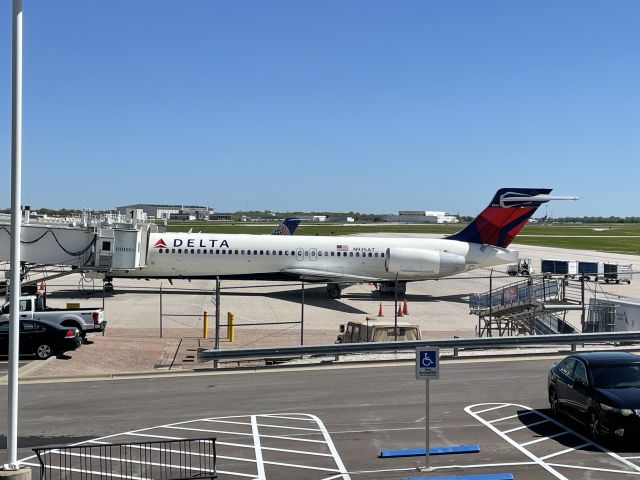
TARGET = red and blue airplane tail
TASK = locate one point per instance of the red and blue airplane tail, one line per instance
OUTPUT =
(508, 212)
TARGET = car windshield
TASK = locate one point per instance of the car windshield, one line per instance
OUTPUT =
(617, 376)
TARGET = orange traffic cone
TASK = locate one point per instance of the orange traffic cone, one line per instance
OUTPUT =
(405, 307)
(380, 314)
(400, 310)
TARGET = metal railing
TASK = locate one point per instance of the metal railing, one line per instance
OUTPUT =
(154, 460)
(205, 355)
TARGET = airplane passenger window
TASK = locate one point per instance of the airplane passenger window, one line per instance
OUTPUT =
(211, 251)
(198, 251)
(242, 252)
(179, 250)
(306, 253)
(286, 252)
(204, 251)
(357, 254)
(248, 252)
(173, 250)
(332, 254)
(267, 252)
(192, 250)
(382, 255)
(319, 254)
(279, 252)
(224, 252)
(375, 254)
(370, 254)
(293, 253)
(351, 254)
(274, 252)
(218, 252)
(261, 252)
(255, 252)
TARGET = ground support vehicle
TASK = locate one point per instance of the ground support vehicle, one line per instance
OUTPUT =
(524, 267)
(41, 338)
(86, 320)
(377, 330)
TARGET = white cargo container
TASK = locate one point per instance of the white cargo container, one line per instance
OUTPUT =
(614, 314)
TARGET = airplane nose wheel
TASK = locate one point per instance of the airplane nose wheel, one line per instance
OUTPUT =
(334, 291)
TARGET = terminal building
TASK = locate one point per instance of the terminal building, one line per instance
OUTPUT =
(170, 212)
(422, 216)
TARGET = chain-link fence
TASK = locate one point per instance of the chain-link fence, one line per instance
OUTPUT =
(265, 314)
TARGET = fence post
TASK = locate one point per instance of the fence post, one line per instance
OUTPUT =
(205, 325)
(160, 309)
(217, 340)
(302, 316)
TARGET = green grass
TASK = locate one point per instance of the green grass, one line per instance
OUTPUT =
(615, 238)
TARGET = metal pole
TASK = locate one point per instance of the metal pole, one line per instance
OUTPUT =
(302, 316)
(582, 316)
(395, 309)
(16, 219)
(427, 452)
(217, 340)
(490, 303)
(160, 309)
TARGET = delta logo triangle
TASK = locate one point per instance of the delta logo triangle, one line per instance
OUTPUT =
(160, 244)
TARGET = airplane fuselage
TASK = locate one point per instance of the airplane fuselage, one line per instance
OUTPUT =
(313, 258)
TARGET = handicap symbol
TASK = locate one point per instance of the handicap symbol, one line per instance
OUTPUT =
(427, 361)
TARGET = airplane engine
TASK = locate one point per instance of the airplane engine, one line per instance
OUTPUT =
(421, 262)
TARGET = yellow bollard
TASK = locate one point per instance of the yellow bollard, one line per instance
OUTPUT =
(205, 325)
(231, 334)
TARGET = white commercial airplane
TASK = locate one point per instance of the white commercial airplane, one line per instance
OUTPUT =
(339, 261)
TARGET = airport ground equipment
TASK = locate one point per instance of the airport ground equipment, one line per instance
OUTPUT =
(621, 314)
(86, 320)
(528, 307)
(608, 272)
(378, 330)
(187, 459)
(524, 267)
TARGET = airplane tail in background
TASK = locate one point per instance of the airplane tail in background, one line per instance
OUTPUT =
(287, 227)
(508, 212)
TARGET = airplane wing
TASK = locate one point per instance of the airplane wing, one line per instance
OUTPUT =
(327, 276)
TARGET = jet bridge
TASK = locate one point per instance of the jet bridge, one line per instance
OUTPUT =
(93, 246)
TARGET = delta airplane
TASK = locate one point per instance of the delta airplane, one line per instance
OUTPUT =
(344, 260)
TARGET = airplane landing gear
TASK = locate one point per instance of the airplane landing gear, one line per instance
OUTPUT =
(334, 290)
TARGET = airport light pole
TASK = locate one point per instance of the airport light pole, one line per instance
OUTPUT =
(16, 180)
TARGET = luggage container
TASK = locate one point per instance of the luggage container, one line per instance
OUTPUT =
(616, 273)
(568, 268)
(591, 270)
(613, 315)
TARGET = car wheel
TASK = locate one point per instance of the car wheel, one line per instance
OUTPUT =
(594, 426)
(554, 403)
(44, 351)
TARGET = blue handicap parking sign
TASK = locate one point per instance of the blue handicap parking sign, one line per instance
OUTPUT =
(428, 359)
(427, 366)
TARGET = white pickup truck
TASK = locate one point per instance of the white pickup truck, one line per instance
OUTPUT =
(84, 319)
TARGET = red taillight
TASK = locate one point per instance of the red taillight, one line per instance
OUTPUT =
(70, 333)
(96, 318)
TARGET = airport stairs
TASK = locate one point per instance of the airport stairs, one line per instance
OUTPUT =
(518, 308)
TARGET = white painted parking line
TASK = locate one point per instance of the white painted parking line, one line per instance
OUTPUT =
(508, 417)
(477, 410)
(260, 467)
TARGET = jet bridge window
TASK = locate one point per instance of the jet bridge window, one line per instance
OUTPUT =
(106, 246)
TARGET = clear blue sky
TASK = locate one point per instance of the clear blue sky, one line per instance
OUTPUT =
(371, 106)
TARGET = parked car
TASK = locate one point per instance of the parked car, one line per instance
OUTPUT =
(41, 338)
(600, 390)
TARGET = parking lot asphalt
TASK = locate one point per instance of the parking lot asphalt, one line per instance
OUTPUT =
(333, 423)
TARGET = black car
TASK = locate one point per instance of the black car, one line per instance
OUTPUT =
(41, 338)
(601, 390)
